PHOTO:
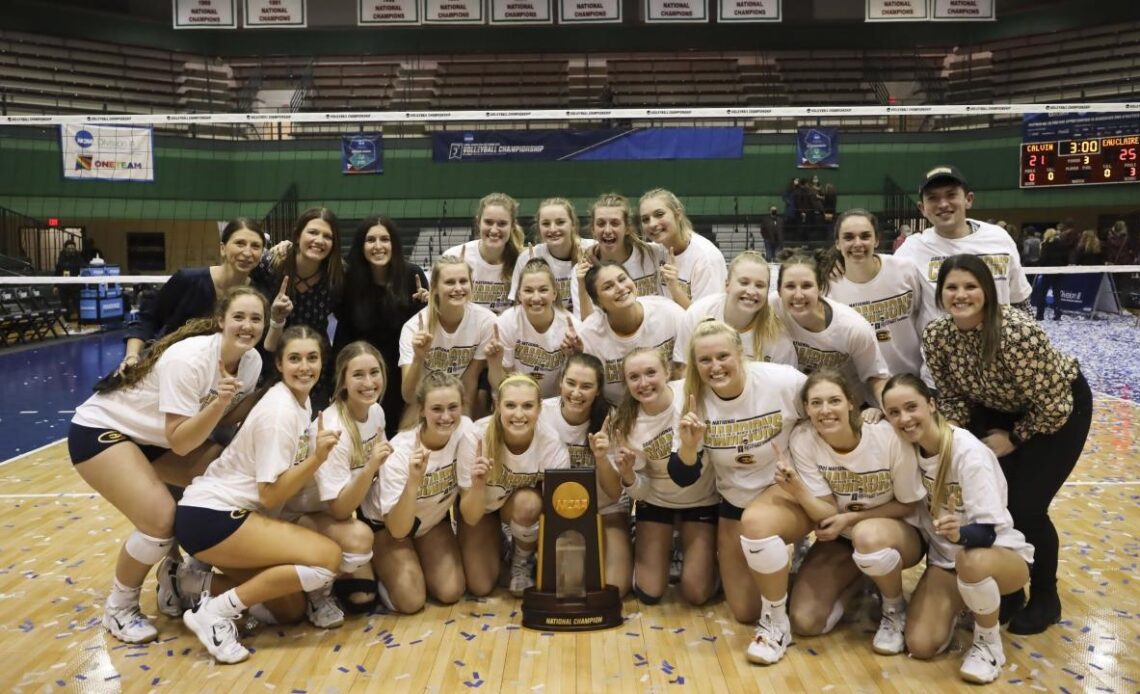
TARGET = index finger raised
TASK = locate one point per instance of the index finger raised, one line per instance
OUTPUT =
(284, 286)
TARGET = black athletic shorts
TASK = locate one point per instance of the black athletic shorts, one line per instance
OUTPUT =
(377, 526)
(198, 529)
(653, 513)
(729, 511)
(84, 443)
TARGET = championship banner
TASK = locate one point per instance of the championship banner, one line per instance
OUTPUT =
(589, 11)
(453, 11)
(204, 14)
(588, 145)
(271, 14)
(963, 10)
(1088, 293)
(521, 12)
(817, 148)
(897, 11)
(362, 154)
(387, 12)
(107, 153)
(664, 11)
(749, 11)
(1051, 127)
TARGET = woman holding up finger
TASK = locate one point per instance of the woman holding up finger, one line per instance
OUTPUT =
(493, 255)
(562, 248)
(611, 224)
(695, 267)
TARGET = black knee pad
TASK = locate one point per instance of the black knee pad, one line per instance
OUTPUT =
(345, 587)
(645, 598)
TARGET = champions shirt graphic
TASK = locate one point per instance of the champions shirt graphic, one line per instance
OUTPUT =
(744, 435)
(493, 295)
(858, 487)
(537, 359)
(657, 451)
(438, 482)
(953, 498)
(885, 312)
(454, 360)
(812, 359)
(998, 264)
(580, 456)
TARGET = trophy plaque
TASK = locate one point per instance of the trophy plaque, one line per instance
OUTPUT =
(570, 592)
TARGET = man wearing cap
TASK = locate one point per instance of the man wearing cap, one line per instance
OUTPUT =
(772, 229)
(944, 199)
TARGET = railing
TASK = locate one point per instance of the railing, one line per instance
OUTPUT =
(281, 218)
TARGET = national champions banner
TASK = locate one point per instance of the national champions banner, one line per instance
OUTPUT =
(604, 144)
(362, 154)
(107, 153)
(817, 148)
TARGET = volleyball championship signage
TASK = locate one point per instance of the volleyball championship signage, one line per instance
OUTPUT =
(588, 145)
(817, 148)
(107, 153)
(362, 154)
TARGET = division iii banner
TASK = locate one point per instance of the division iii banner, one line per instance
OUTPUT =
(362, 154)
(817, 148)
(588, 145)
(108, 153)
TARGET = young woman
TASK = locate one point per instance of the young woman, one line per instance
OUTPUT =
(492, 257)
(886, 290)
(825, 332)
(999, 376)
(381, 289)
(611, 225)
(743, 306)
(416, 554)
(163, 408)
(501, 461)
(695, 266)
(451, 334)
(854, 483)
(975, 555)
(737, 415)
(534, 336)
(223, 518)
(562, 248)
(579, 418)
(623, 322)
(643, 430)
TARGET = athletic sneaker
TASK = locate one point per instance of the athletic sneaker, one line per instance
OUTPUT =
(983, 662)
(521, 574)
(170, 602)
(322, 610)
(890, 639)
(773, 636)
(193, 580)
(218, 634)
(128, 624)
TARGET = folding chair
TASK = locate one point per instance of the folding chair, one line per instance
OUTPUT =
(15, 321)
(44, 300)
(39, 321)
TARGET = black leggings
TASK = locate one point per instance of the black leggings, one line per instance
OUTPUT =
(1044, 284)
(1035, 472)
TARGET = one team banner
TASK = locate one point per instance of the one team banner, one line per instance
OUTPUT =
(108, 153)
(817, 148)
(362, 153)
(589, 11)
(749, 11)
(453, 11)
(605, 144)
(204, 14)
(387, 12)
(898, 10)
(272, 14)
(664, 11)
(521, 12)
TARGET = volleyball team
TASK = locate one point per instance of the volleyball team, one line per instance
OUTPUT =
(898, 407)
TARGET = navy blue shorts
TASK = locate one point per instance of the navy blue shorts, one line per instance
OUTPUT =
(653, 513)
(729, 511)
(198, 529)
(377, 526)
(84, 443)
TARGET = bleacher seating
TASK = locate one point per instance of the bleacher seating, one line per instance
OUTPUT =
(30, 313)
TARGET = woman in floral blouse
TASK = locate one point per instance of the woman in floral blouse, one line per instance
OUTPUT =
(999, 376)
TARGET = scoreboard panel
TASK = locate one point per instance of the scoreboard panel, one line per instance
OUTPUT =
(1080, 162)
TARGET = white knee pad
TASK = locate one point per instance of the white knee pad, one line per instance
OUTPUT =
(524, 533)
(878, 563)
(983, 597)
(146, 549)
(834, 616)
(313, 577)
(350, 562)
(766, 556)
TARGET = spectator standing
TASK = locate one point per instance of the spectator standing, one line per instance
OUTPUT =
(904, 231)
(1030, 247)
(68, 264)
(772, 229)
(1053, 254)
(1088, 250)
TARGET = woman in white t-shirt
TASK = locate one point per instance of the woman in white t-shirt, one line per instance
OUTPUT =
(416, 554)
(853, 483)
(225, 517)
(737, 415)
(501, 461)
(827, 333)
(562, 248)
(744, 306)
(534, 336)
(625, 321)
(695, 267)
(886, 290)
(975, 555)
(643, 431)
(451, 334)
(493, 255)
(579, 416)
(162, 410)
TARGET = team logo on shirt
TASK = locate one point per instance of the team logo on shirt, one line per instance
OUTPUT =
(997, 262)
(538, 359)
(857, 485)
(745, 435)
(953, 496)
(441, 481)
(453, 360)
(812, 359)
(492, 294)
(884, 312)
(506, 479)
(302, 449)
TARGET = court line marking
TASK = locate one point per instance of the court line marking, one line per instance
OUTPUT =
(31, 452)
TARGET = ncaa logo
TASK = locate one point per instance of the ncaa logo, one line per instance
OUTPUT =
(84, 138)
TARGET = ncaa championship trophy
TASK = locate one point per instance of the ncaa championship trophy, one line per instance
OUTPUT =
(570, 593)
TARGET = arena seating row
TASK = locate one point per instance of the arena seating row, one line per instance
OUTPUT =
(30, 313)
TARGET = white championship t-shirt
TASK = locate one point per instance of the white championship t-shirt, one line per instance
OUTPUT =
(658, 330)
(450, 352)
(340, 467)
(184, 380)
(573, 436)
(701, 269)
(778, 351)
(489, 288)
(510, 471)
(563, 271)
(528, 351)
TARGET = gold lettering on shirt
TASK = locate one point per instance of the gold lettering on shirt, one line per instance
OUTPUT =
(538, 359)
(884, 312)
(811, 359)
(509, 481)
(436, 482)
(743, 434)
(857, 485)
(302, 449)
(453, 360)
(647, 286)
(997, 262)
(491, 294)
(580, 456)
(953, 496)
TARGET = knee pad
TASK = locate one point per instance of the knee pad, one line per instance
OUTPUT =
(345, 588)
(766, 556)
(146, 549)
(350, 562)
(982, 597)
(879, 563)
(524, 533)
(833, 617)
(313, 577)
(646, 598)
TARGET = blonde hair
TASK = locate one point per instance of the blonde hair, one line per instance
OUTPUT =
(494, 438)
(539, 266)
(625, 414)
(1049, 235)
(575, 228)
(433, 301)
(945, 436)
(765, 326)
(516, 240)
(433, 381)
(633, 238)
(340, 393)
(694, 387)
(684, 226)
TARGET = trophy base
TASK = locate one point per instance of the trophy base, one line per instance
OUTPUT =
(597, 609)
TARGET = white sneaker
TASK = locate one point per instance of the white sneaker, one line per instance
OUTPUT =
(982, 663)
(218, 634)
(128, 624)
(770, 642)
(322, 610)
(169, 598)
(521, 577)
(890, 639)
(193, 581)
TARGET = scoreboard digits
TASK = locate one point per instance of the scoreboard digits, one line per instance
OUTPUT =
(1080, 162)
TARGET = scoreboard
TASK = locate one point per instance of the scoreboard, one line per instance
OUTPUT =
(1113, 159)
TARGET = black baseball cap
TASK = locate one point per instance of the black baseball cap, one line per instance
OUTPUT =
(944, 173)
